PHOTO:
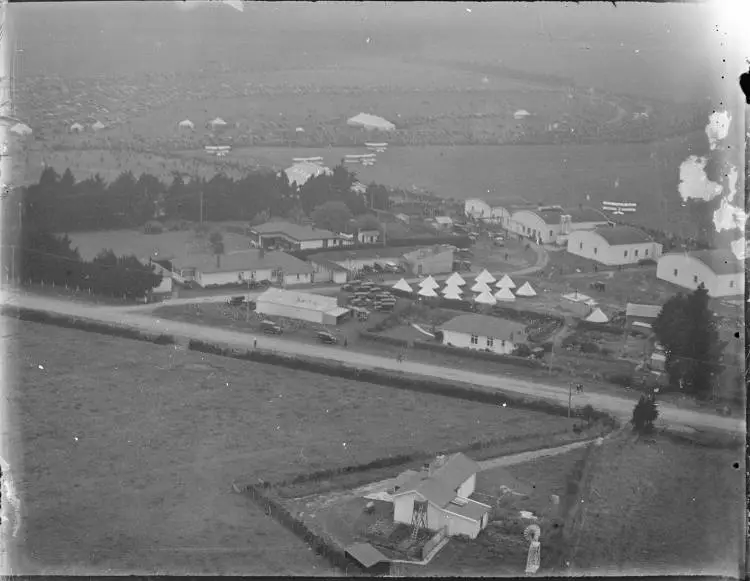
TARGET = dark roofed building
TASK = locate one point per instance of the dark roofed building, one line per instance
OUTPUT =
(294, 235)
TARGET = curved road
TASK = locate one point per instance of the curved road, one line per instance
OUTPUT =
(622, 408)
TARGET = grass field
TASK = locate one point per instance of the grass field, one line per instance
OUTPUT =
(663, 508)
(130, 449)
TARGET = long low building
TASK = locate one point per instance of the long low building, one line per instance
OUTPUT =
(722, 273)
(614, 245)
(301, 306)
(553, 224)
(294, 235)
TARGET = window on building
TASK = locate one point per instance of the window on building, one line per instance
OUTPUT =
(596, 251)
(625, 254)
(731, 284)
(636, 253)
(674, 272)
(695, 278)
(502, 344)
(297, 277)
(490, 341)
(646, 252)
(550, 233)
(474, 340)
(580, 246)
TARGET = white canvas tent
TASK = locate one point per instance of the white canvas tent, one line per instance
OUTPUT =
(526, 290)
(505, 294)
(76, 128)
(486, 277)
(455, 279)
(451, 288)
(480, 287)
(98, 126)
(429, 282)
(506, 282)
(521, 114)
(402, 285)
(218, 122)
(186, 124)
(370, 122)
(427, 292)
(21, 129)
(453, 293)
(485, 298)
(597, 316)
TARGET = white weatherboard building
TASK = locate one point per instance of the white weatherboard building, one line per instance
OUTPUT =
(614, 245)
(443, 491)
(483, 332)
(720, 271)
(553, 224)
(301, 306)
(370, 122)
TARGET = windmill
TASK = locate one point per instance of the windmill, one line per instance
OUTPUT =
(418, 518)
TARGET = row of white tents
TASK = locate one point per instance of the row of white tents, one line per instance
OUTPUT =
(484, 294)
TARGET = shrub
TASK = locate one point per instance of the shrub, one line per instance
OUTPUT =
(589, 347)
(383, 339)
(522, 350)
(623, 379)
(476, 354)
(164, 340)
(644, 415)
(604, 328)
(646, 262)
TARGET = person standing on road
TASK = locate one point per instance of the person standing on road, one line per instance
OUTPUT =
(255, 342)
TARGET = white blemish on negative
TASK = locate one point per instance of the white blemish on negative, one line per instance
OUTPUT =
(694, 183)
(729, 217)
(11, 505)
(718, 127)
(739, 248)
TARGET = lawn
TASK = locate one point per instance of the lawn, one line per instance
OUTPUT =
(137, 446)
(661, 507)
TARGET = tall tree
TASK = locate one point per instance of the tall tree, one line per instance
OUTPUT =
(332, 216)
(687, 328)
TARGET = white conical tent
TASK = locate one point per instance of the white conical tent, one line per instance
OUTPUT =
(218, 122)
(506, 282)
(98, 126)
(429, 282)
(526, 290)
(451, 288)
(485, 298)
(402, 285)
(452, 293)
(21, 129)
(455, 279)
(597, 316)
(186, 124)
(505, 294)
(427, 292)
(480, 287)
(486, 277)
(76, 128)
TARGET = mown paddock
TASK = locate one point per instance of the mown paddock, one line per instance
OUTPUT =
(161, 460)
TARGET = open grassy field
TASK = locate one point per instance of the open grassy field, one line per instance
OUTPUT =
(130, 449)
(663, 508)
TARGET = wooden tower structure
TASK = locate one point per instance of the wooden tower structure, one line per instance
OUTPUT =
(418, 518)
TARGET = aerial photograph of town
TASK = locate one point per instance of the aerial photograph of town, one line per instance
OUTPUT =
(366, 289)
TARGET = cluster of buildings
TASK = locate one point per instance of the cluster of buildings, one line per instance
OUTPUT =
(590, 234)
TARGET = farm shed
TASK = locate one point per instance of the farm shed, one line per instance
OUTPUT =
(638, 313)
(369, 558)
(553, 224)
(368, 236)
(484, 333)
(300, 173)
(434, 260)
(242, 266)
(328, 271)
(613, 245)
(370, 122)
(297, 236)
(719, 270)
(301, 306)
(442, 492)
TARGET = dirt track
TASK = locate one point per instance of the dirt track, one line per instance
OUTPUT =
(620, 407)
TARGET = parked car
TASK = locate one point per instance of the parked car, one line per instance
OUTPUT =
(270, 328)
(499, 241)
(235, 301)
(326, 337)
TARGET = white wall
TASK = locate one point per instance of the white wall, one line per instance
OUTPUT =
(464, 340)
(293, 279)
(688, 269)
(534, 226)
(590, 245)
(216, 278)
(308, 244)
(467, 488)
(403, 508)
(289, 311)
(458, 525)
(477, 208)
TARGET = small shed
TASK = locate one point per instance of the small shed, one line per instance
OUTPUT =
(369, 558)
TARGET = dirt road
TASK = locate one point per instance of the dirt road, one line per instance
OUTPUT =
(622, 408)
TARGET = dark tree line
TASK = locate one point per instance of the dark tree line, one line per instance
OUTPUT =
(62, 204)
(41, 256)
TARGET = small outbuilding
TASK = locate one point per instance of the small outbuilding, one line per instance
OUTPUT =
(301, 306)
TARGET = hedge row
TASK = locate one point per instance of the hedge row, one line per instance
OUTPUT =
(383, 339)
(69, 322)
(589, 326)
(477, 354)
(396, 380)
(335, 555)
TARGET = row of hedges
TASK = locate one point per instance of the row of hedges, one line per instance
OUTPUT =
(393, 379)
(459, 241)
(477, 354)
(529, 317)
(395, 341)
(69, 322)
(604, 328)
(335, 555)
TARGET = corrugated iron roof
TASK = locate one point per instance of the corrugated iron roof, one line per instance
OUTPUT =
(645, 311)
(615, 235)
(366, 554)
(485, 326)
